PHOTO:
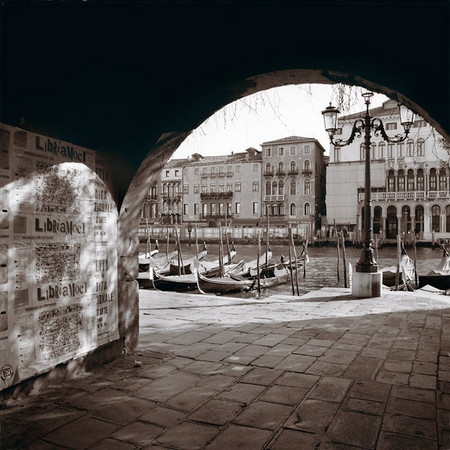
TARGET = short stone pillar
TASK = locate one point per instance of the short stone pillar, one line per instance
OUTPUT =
(366, 284)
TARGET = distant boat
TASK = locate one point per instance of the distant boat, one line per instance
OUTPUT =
(223, 285)
(439, 277)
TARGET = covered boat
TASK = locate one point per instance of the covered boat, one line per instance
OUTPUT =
(439, 277)
(406, 271)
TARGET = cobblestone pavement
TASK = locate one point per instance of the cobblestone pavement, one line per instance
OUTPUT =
(324, 371)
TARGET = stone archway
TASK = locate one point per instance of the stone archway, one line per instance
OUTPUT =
(160, 153)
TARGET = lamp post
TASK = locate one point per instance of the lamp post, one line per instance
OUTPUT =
(366, 124)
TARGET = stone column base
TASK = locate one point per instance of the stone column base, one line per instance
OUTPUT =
(366, 285)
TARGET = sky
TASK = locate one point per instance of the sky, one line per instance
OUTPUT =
(276, 113)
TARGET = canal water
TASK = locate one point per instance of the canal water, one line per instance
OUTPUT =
(321, 270)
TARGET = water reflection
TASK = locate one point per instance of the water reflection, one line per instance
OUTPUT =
(321, 271)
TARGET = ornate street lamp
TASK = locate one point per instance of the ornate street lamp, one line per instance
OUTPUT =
(367, 263)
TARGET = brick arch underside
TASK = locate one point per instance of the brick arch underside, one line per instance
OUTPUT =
(168, 143)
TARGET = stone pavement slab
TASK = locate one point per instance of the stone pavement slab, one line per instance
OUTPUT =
(323, 371)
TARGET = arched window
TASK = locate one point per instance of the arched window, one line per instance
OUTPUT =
(307, 189)
(268, 168)
(281, 209)
(401, 181)
(381, 150)
(292, 211)
(442, 180)
(293, 167)
(307, 209)
(281, 187)
(274, 210)
(433, 181)
(410, 147)
(281, 168)
(391, 181)
(268, 188)
(293, 187)
(436, 218)
(410, 183)
(400, 150)
(374, 151)
(362, 152)
(420, 147)
(274, 188)
(447, 218)
(307, 165)
(420, 180)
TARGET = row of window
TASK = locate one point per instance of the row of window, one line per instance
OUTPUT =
(277, 187)
(416, 182)
(292, 151)
(278, 209)
(292, 167)
(389, 150)
(222, 170)
(213, 209)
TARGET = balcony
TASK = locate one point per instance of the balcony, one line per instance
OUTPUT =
(205, 175)
(216, 195)
(293, 172)
(307, 172)
(405, 195)
(175, 195)
(213, 175)
(274, 198)
(281, 173)
(268, 173)
(221, 174)
(229, 174)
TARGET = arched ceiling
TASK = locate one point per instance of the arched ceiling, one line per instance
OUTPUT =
(117, 76)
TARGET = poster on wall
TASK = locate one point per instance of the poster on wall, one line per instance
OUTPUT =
(58, 258)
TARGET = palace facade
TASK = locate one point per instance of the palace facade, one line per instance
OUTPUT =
(410, 186)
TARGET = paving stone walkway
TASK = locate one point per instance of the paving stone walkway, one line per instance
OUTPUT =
(322, 371)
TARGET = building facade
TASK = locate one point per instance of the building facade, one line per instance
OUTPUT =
(294, 182)
(410, 186)
(215, 187)
(171, 198)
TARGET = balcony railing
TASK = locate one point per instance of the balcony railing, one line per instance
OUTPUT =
(281, 173)
(293, 172)
(206, 195)
(172, 195)
(307, 172)
(274, 198)
(268, 173)
(229, 174)
(405, 195)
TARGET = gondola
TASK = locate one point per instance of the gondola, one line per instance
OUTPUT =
(406, 270)
(173, 268)
(145, 260)
(188, 281)
(274, 275)
(223, 285)
(439, 277)
(249, 268)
